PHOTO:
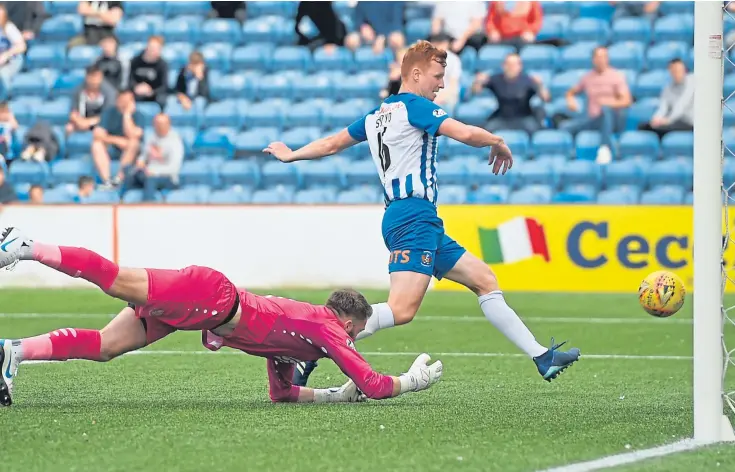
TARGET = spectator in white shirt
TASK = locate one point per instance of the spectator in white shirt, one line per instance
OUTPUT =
(12, 47)
(462, 21)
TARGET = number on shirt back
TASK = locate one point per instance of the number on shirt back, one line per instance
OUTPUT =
(383, 151)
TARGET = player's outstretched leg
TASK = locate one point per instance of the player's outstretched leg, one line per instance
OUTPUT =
(477, 276)
(130, 285)
(123, 334)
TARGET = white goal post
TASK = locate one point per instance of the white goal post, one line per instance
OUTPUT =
(710, 352)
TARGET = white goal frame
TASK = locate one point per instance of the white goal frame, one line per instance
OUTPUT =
(710, 422)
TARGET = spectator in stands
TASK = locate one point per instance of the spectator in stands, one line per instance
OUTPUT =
(514, 89)
(159, 164)
(35, 194)
(645, 9)
(378, 23)
(100, 19)
(149, 73)
(233, 10)
(8, 124)
(193, 81)
(118, 137)
(89, 101)
(108, 63)
(448, 97)
(394, 76)
(12, 47)
(40, 143)
(27, 16)
(515, 23)
(85, 188)
(462, 21)
(332, 31)
(608, 96)
(676, 105)
(7, 192)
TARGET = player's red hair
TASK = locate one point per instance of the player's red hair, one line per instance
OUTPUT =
(421, 54)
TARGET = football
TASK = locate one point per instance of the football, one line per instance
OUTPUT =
(661, 293)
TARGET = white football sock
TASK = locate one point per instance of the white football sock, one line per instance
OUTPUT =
(507, 322)
(381, 318)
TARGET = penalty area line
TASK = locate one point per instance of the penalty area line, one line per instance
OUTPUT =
(630, 457)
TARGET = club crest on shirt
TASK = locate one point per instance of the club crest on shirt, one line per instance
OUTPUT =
(426, 258)
(350, 344)
(439, 112)
(157, 312)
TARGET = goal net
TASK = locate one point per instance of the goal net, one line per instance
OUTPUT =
(728, 197)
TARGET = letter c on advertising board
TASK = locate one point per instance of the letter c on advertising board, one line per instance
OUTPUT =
(662, 251)
(629, 245)
(574, 248)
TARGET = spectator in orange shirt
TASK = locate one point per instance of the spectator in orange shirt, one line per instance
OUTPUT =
(516, 23)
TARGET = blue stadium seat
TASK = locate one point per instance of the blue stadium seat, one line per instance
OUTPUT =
(551, 141)
(358, 196)
(299, 137)
(274, 86)
(531, 195)
(588, 29)
(29, 83)
(307, 113)
(277, 173)
(627, 55)
(181, 117)
(631, 29)
(639, 142)
(225, 30)
(222, 114)
(239, 172)
(417, 29)
(580, 172)
(196, 8)
(253, 141)
(586, 144)
(553, 27)
(627, 172)
(256, 30)
(61, 194)
(576, 56)
(575, 194)
(25, 109)
(61, 28)
(659, 55)
(67, 84)
(669, 8)
(230, 195)
(79, 143)
(678, 143)
(251, 57)
(517, 140)
(359, 151)
(45, 56)
(491, 57)
(562, 82)
(339, 59)
(264, 114)
(664, 195)
(148, 111)
(277, 195)
(641, 111)
(131, 29)
(127, 52)
(452, 195)
(103, 197)
(29, 172)
(556, 161)
(539, 56)
(291, 58)
(144, 8)
(285, 9)
(68, 171)
(56, 8)
(315, 196)
(186, 196)
(183, 29)
(472, 113)
(535, 173)
(489, 195)
(361, 173)
(480, 174)
(455, 148)
(82, 56)
(674, 28)
(135, 196)
(340, 115)
(619, 195)
(453, 172)
(176, 55)
(366, 59)
(197, 172)
(56, 112)
(600, 10)
(679, 171)
(217, 56)
(213, 142)
(367, 85)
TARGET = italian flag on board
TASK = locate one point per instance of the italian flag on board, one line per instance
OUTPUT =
(514, 240)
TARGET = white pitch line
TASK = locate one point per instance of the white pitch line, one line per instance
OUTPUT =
(410, 354)
(463, 319)
(630, 457)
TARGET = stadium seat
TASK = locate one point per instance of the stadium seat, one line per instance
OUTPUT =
(361, 173)
(312, 86)
(186, 196)
(588, 30)
(456, 148)
(273, 86)
(539, 56)
(131, 29)
(176, 55)
(678, 143)
(79, 143)
(127, 52)
(552, 142)
(366, 86)
(689, 198)
(225, 30)
(180, 117)
(679, 171)
(322, 173)
(627, 172)
(217, 56)
(586, 144)
(291, 58)
(277, 173)
(61, 28)
(56, 8)
(562, 82)
(341, 115)
(185, 29)
(29, 172)
(659, 55)
(278, 195)
(674, 28)
(299, 137)
(580, 172)
(258, 30)
(80, 57)
(268, 113)
(285, 9)
(491, 57)
(339, 58)
(359, 196)
(452, 195)
(56, 112)
(553, 27)
(251, 57)
(632, 29)
(489, 195)
(556, 161)
(417, 29)
(480, 174)
(600, 10)
(137, 8)
(639, 143)
(575, 194)
(619, 195)
(641, 112)
(236, 194)
(664, 195)
(531, 195)
(472, 113)
(535, 173)
(307, 113)
(253, 141)
(197, 172)
(517, 140)
(68, 171)
(195, 8)
(25, 110)
(627, 55)
(29, 83)
(45, 56)
(366, 59)
(239, 172)
(576, 56)
(221, 114)
(67, 84)
(453, 172)
(62, 194)
(213, 142)
(315, 196)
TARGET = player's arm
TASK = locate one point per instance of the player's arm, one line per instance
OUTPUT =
(281, 390)
(314, 150)
(468, 134)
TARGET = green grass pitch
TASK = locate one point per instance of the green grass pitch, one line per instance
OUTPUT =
(177, 410)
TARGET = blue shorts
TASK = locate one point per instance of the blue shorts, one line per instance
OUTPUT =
(414, 235)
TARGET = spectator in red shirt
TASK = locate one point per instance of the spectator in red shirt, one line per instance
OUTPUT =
(517, 23)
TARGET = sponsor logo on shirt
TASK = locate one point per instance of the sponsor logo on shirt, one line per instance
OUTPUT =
(350, 344)
(439, 112)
